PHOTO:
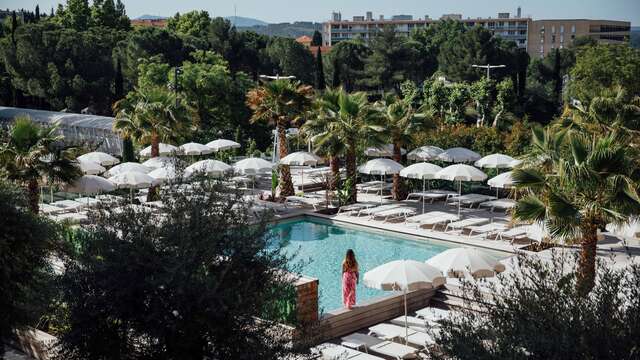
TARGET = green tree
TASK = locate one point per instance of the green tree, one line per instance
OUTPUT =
(390, 61)
(291, 58)
(482, 93)
(27, 241)
(577, 183)
(32, 153)
(192, 23)
(474, 46)
(458, 96)
(76, 15)
(106, 13)
(436, 96)
(401, 122)
(504, 100)
(347, 64)
(280, 103)
(316, 40)
(604, 66)
(320, 84)
(537, 313)
(176, 285)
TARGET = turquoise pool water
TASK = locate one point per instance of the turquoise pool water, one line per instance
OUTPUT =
(321, 247)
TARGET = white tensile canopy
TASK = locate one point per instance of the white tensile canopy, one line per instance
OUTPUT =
(194, 148)
(127, 167)
(163, 149)
(222, 144)
(90, 167)
(210, 167)
(495, 161)
(404, 275)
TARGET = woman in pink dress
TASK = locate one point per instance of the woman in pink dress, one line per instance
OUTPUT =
(349, 279)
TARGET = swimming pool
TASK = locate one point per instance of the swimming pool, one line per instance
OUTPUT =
(321, 246)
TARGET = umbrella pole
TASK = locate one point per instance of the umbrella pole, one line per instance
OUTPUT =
(406, 325)
(459, 194)
(302, 179)
(423, 182)
(383, 178)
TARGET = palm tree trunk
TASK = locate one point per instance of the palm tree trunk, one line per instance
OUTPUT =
(152, 195)
(285, 185)
(398, 190)
(351, 173)
(587, 261)
(334, 164)
(33, 195)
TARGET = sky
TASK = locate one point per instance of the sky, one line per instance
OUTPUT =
(320, 10)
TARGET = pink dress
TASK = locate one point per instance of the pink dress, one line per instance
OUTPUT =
(349, 279)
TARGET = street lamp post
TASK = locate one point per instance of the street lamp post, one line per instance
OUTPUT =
(488, 67)
(176, 72)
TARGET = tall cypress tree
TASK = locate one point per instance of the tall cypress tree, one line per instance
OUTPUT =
(37, 12)
(14, 26)
(320, 84)
(335, 81)
(317, 39)
(118, 81)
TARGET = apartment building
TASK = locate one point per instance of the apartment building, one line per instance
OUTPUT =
(537, 37)
(547, 35)
(512, 28)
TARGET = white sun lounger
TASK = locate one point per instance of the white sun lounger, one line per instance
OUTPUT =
(390, 332)
(486, 229)
(425, 216)
(302, 201)
(504, 204)
(330, 351)
(513, 233)
(70, 205)
(395, 213)
(461, 224)
(368, 184)
(49, 209)
(432, 314)
(413, 322)
(469, 199)
(73, 218)
(377, 189)
(372, 344)
(373, 210)
(88, 201)
(427, 195)
(434, 221)
(354, 208)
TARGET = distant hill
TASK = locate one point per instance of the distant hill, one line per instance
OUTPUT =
(240, 21)
(150, 17)
(291, 30)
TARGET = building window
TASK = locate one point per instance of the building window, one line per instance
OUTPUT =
(553, 39)
(573, 29)
(561, 28)
(553, 29)
(561, 38)
(492, 24)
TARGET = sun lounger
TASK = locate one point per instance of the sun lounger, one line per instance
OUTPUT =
(431, 195)
(504, 204)
(513, 233)
(461, 224)
(425, 216)
(49, 209)
(70, 205)
(438, 218)
(413, 322)
(87, 201)
(330, 351)
(390, 332)
(73, 218)
(433, 315)
(486, 229)
(369, 184)
(355, 208)
(303, 201)
(395, 213)
(377, 189)
(374, 345)
(373, 210)
(469, 199)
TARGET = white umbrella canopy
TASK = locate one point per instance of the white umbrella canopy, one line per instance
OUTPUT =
(210, 167)
(301, 158)
(495, 161)
(164, 174)
(158, 162)
(628, 231)
(91, 184)
(222, 144)
(163, 149)
(459, 261)
(405, 275)
(90, 167)
(502, 181)
(424, 153)
(100, 158)
(194, 148)
(133, 180)
(424, 171)
(127, 167)
(380, 167)
(459, 154)
(252, 166)
(460, 173)
(381, 151)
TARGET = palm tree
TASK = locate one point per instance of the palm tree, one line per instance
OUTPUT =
(350, 120)
(281, 103)
(32, 153)
(152, 115)
(401, 122)
(326, 143)
(577, 183)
